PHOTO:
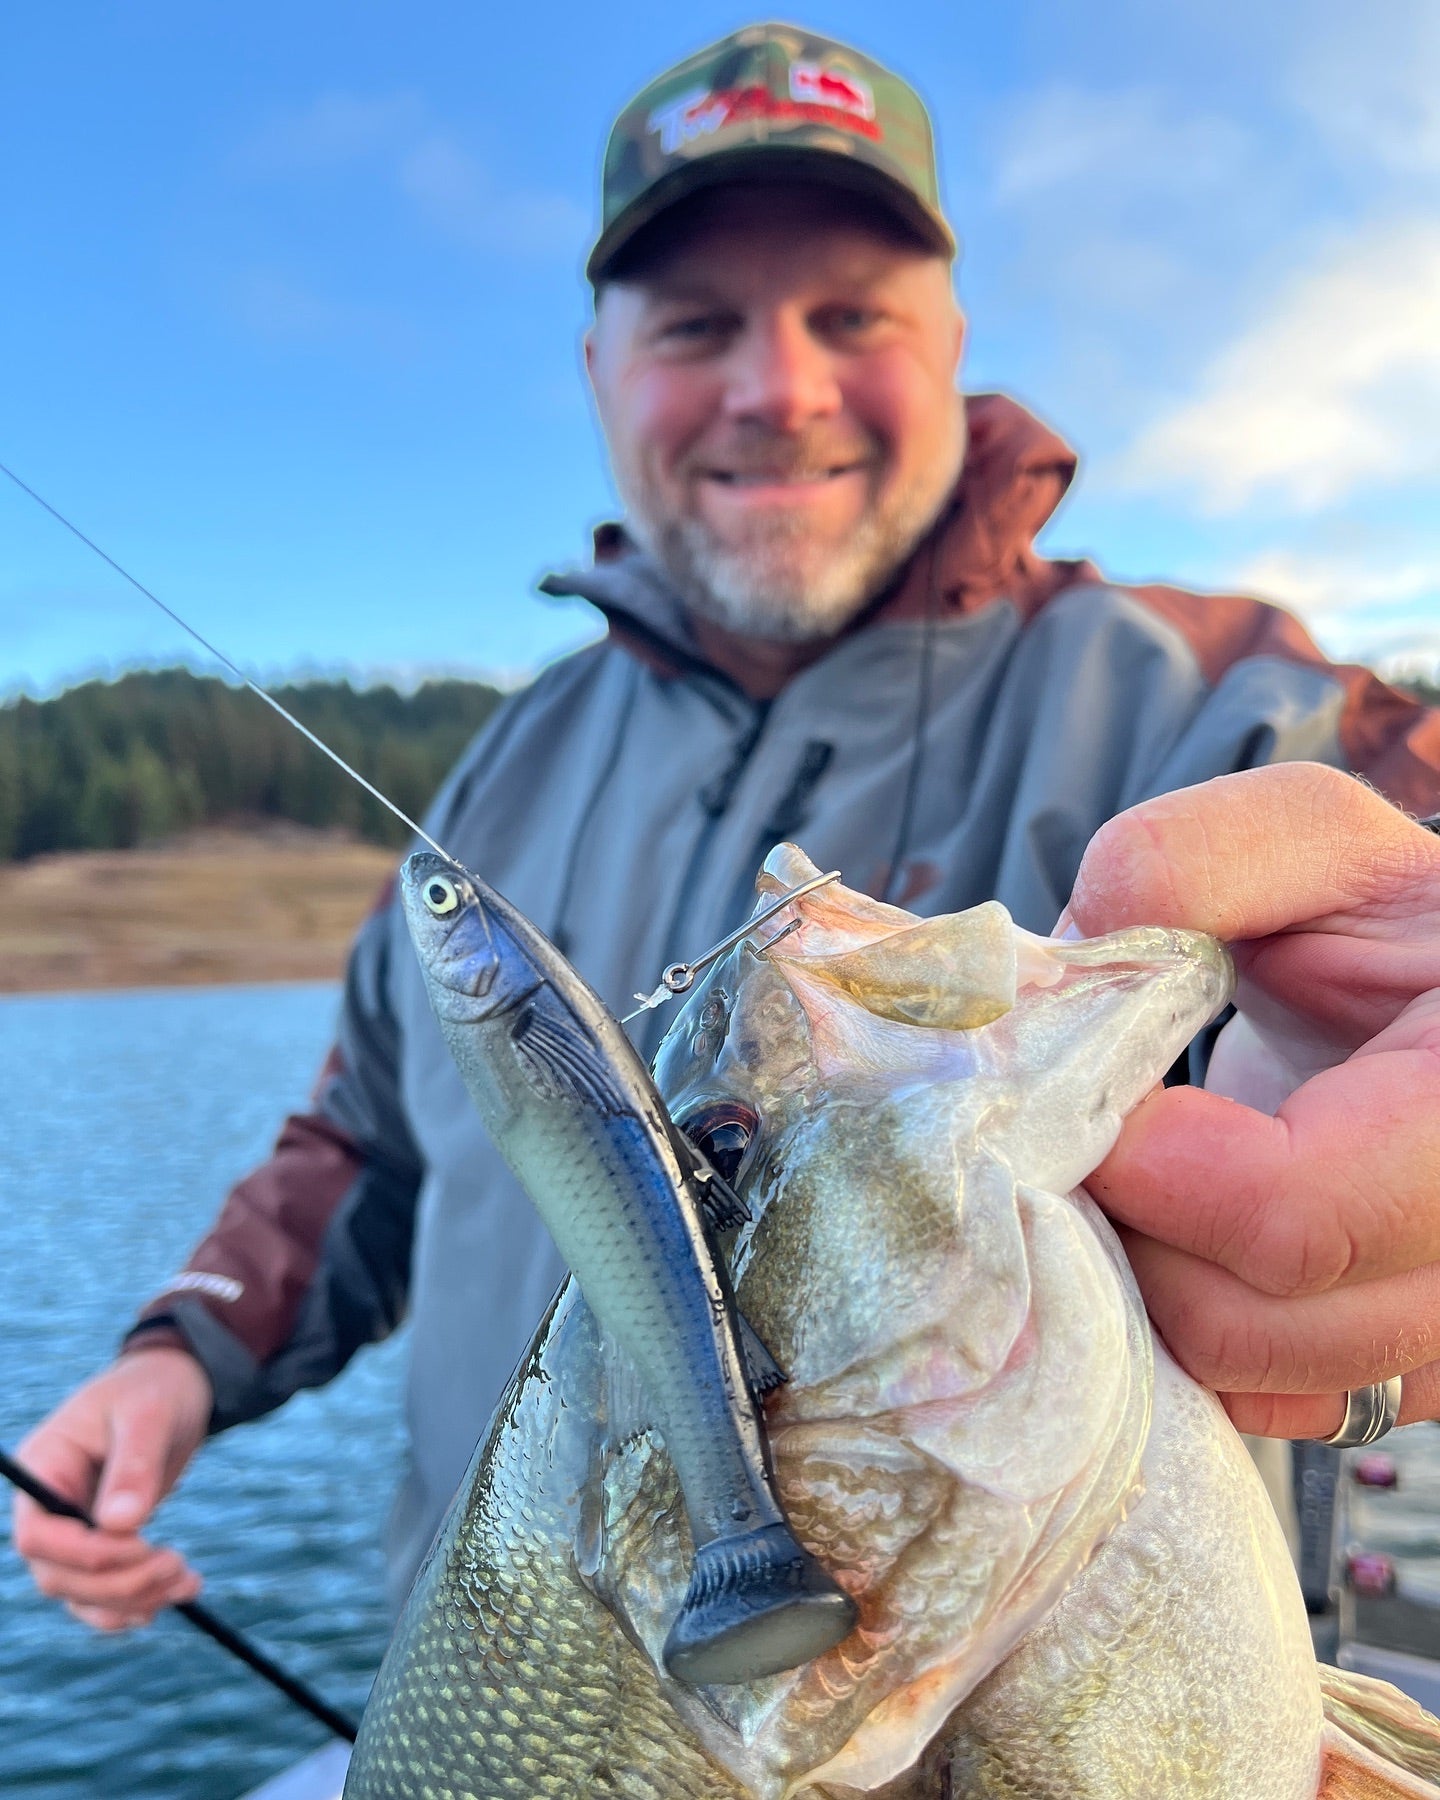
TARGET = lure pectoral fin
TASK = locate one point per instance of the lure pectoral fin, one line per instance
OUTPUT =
(756, 1605)
(562, 1062)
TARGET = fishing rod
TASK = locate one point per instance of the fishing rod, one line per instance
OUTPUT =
(193, 1612)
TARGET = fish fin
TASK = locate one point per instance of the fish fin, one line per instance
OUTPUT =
(629, 1413)
(761, 1368)
(1379, 1744)
(561, 1061)
(756, 1604)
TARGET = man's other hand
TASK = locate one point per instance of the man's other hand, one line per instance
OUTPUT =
(116, 1447)
(1288, 1258)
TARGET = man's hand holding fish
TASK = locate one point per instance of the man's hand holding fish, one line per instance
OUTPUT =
(1288, 1259)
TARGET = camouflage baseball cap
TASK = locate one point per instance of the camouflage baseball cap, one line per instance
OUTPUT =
(770, 103)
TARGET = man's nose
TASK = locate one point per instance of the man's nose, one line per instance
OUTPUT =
(781, 374)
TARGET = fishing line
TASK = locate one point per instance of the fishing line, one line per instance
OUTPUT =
(234, 668)
(191, 1610)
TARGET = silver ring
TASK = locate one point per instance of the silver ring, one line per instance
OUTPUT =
(1369, 1413)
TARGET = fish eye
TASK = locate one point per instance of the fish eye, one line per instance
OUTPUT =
(722, 1133)
(440, 896)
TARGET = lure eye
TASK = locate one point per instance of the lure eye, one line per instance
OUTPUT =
(440, 896)
(722, 1133)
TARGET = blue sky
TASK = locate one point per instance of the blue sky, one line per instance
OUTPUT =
(292, 306)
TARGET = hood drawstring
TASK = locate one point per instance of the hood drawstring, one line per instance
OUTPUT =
(560, 931)
(791, 811)
(924, 680)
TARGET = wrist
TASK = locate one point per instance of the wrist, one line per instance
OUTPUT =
(170, 1360)
(157, 1334)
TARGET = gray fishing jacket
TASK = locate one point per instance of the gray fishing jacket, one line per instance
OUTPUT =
(962, 742)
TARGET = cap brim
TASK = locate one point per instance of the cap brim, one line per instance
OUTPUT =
(770, 165)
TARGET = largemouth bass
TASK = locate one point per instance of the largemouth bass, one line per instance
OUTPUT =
(1069, 1580)
(573, 1110)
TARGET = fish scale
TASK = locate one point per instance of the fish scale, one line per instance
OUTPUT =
(558, 1700)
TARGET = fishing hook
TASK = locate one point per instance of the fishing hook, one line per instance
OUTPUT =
(679, 977)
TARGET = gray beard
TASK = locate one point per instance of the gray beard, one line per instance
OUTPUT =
(771, 588)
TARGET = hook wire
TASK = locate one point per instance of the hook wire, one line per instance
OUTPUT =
(679, 977)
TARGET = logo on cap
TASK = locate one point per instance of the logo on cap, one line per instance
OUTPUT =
(817, 97)
(818, 86)
(691, 116)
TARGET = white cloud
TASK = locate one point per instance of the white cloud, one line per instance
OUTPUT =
(1133, 215)
(275, 306)
(1331, 585)
(457, 194)
(450, 189)
(1368, 80)
(1335, 387)
(1131, 142)
(335, 129)
(1360, 606)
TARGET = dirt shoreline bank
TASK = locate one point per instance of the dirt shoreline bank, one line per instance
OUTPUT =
(217, 907)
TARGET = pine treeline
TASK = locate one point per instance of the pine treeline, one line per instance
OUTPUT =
(108, 765)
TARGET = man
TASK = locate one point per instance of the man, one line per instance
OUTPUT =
(827, 620)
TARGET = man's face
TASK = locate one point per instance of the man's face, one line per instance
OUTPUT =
(778, 395)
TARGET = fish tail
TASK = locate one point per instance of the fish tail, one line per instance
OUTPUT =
(756, 1604)
(1379, 1744)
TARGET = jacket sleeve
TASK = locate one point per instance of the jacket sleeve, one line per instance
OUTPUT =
(1388, 737)
(310, 1255)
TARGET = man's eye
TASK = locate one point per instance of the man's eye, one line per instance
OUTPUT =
(695, 328)
(851, 321)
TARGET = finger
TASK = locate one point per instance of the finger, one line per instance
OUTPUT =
(141, 1588)
(105, 1618)
(67, 1541)
(1235, 1340)
(133, 1481)
(1298, 1203)
(1321, 1415)
(53, 1457)
(1248, 854)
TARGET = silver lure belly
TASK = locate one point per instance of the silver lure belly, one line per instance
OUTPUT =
(614, 1198)
(573, 1110)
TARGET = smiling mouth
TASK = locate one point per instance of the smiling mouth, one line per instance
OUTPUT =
(743, 478)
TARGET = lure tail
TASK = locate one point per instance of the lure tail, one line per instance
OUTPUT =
(756, 1604)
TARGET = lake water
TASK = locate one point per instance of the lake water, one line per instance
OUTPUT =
(123, 1119)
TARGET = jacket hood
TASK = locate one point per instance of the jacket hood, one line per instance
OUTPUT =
(982, 548)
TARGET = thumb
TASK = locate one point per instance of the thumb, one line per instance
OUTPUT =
(133, 1481)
